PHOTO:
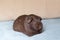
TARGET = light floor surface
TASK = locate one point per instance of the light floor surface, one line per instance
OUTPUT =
(51, 31)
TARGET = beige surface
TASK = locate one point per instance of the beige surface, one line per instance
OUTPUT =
(11, 9)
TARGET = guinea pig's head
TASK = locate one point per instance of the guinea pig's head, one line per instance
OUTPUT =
(33, 24)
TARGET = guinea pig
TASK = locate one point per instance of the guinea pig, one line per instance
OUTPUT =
(28, 24)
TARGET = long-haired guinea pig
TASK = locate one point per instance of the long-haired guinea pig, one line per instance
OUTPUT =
(28, 24)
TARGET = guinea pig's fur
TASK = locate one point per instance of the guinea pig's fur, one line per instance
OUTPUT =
(28, 24)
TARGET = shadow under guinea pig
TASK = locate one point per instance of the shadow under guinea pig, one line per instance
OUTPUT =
(28, 24)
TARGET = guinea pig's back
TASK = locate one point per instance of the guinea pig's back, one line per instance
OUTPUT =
(19, 24)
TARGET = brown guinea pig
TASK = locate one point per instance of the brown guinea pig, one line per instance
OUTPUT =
(28, 24)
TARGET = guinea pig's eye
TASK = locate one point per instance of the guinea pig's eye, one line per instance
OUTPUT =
(40, 18)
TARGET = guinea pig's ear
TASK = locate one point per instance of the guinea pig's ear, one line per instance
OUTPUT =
(28, 19)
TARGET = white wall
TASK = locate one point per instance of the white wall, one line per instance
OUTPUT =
(11, 9)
